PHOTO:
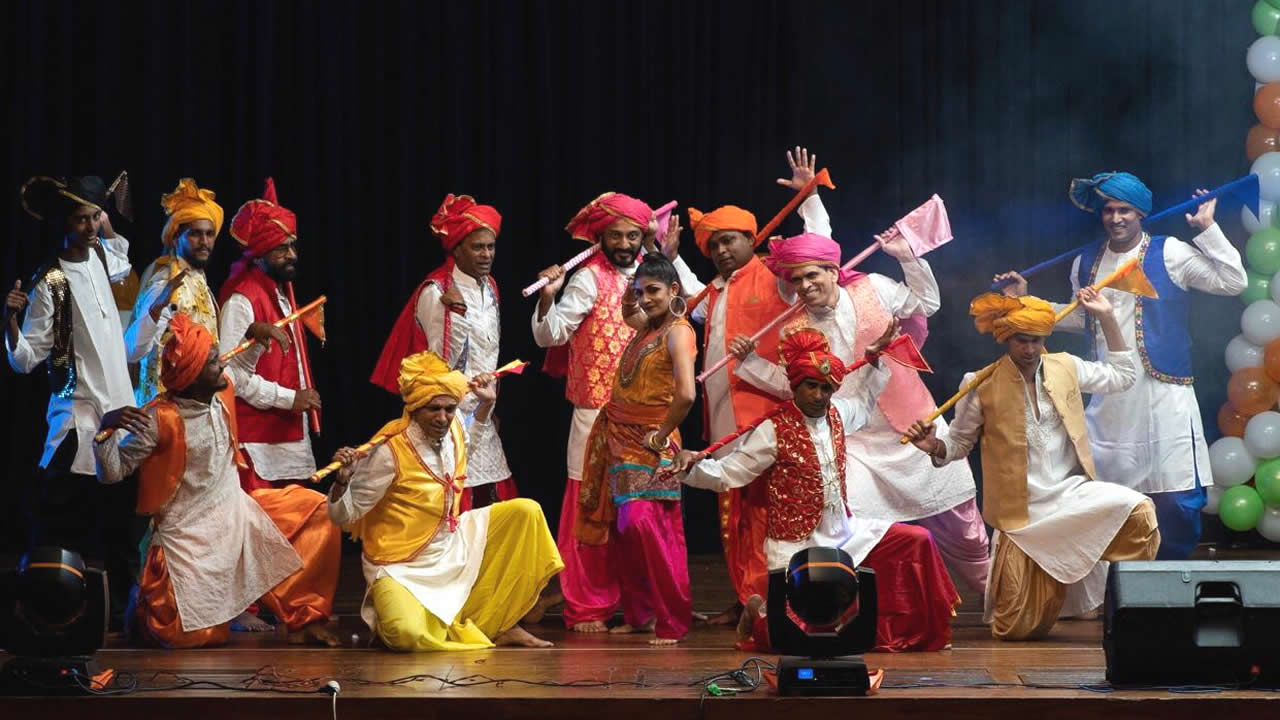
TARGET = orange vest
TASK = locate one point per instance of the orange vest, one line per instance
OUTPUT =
(160, 474)
(596, 346)
(415, 505)
(753, 302)
(905, 399)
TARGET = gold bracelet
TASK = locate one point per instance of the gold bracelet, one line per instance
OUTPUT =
(652, 446)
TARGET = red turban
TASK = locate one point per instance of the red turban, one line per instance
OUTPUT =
(262, 225)
(604, 211)
(806, 354)
(806, 249)
(186, 353)
(729, 217)
(459, 216)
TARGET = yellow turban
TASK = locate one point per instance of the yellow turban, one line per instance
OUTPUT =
(426, 375)
(1005, 316)
(186, 204)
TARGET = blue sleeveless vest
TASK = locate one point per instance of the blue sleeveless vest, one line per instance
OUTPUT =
(1164, 341)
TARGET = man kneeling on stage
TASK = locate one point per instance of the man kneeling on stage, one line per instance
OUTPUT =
(440, 579)
(215, 549)
(1053, 523)
(799, 453)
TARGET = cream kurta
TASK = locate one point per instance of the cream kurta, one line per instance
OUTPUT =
(758, 450)
(1150, 437)
(443, 572)
(222, 550)
(473, 349)
(1071, 520)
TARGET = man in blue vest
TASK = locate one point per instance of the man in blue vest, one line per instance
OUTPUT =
(1150, 437)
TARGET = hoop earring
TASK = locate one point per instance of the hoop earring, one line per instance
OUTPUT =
(684, 306)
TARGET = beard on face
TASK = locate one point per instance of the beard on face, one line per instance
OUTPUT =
(283, 273)
(614, 253)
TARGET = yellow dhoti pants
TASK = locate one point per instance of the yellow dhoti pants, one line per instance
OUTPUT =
(520, 557)
(1028, 599)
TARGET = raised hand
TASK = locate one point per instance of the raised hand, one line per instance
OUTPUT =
(348, 457)
(1203, 219)
(162, 300)
(896, 245)
(671, 238)
(485, 387)
(802, 166)
(16, 300)
(1094, 302)
(555, 275)
(1017, 288)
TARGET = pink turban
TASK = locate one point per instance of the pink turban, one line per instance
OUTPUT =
(806, 249)
(606, 210)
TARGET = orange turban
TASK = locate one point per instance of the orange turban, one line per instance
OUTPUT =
(806, 354)
(729, 217)
(262, 225)
(186, 204)
(606, 210)
(186, 353)
(459, 216)
(1005, 316)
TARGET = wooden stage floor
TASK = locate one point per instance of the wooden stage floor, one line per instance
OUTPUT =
(977, 678)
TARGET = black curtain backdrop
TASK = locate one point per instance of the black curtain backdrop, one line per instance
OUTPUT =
(368, 113)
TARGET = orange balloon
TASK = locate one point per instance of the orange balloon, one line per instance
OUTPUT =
(1261, 139)
(1250, 391)
(1266, 105)
(1271, 360)
(1231, 422)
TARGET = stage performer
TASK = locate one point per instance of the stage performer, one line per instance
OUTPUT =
(274, 399)
(798, 457)
(744, 296)
(588, 320)
(454, 313)
(1150, 438)
(73, 325)
(1053, 524)
(886, 481)
(215, 549)
(439, 578)
(625, 506)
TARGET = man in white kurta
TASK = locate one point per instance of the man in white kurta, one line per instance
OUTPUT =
(438, 578)
(1151, 437)
(886, 480)
(1053, 523)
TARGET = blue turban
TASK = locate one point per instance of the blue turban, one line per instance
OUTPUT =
(1090, 194)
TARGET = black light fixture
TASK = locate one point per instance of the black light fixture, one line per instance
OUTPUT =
(53, 618)
(822, 614)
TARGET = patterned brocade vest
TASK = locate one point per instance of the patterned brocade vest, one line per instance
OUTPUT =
(597, 345)
(192, 297)
(794, 481)
(905, 399)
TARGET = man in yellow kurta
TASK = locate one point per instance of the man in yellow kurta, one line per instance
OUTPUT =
(1053, 524)
(440, 579)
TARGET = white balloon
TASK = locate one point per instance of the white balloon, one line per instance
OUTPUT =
(1263, 59)
(1262, 435)
(1267, 168)
(1260, 322)
(1231, 462)
(1241, 353)
(1269, 524)
(1264, 219)
(1213, 496)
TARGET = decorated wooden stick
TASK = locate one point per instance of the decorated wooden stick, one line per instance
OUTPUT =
(104, 434)
(581, 257)
(515, 367)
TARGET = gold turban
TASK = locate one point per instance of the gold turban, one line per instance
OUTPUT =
(186, 204)
(1005, 316)
(426, 375)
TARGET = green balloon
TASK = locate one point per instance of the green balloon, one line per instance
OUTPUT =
(1267, 480)
(1259, 288)
(1263, 251)
(1265, 17)
(1240, 508)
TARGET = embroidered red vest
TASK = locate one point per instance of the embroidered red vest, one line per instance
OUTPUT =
(794, 481)
(274, 425)
(905, 399)
(597, 345)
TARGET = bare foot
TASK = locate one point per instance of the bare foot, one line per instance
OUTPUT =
(317, 633)
(521, 637)
(595, 626)
(750, 614)
(728, 617)
(663, 641)
(248, 622)
(624, 628)
(534, 616)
